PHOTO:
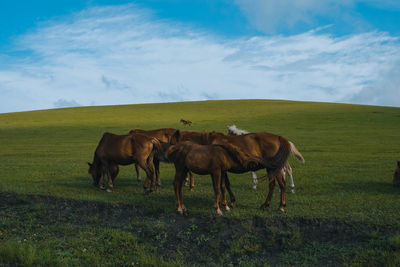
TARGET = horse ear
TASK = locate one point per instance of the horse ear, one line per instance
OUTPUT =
(90, 165)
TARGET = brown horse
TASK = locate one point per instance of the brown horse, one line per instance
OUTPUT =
(273, 149)
(163, 135)
(192, 136)
(233, 130)
(396, 176)
(215, 160)
(114, 150)
(186, 122)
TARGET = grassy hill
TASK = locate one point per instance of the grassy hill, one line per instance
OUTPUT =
(345, 209)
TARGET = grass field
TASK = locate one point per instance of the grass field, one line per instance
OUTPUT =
(344, 212)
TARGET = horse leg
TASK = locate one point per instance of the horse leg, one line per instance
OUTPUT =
(271, 180)
(216, 179)
(255, 181)
(191, 186)
(223, 197)
(289, 171)
(282, 184)
(228, 187)
(110, 179)
(157, 171)
(138, 177)
(178, 181)
(148, 168)
(114, 172)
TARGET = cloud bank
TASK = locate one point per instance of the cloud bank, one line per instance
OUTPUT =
(122, 55)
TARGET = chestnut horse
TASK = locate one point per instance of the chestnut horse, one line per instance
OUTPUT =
(273, 149)
(396, 176)
(215, 160)
(114, 150)
(163, 135)
(186, 122)
(233, 130)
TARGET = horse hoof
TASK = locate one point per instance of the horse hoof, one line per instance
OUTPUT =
(263, 207)
(281, 210)
(254, 187)
(109, 190)
(219, 213)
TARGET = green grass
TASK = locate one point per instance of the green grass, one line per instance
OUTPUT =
(350, 154)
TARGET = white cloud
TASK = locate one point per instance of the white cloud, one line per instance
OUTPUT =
(272, 16)
(121, 55)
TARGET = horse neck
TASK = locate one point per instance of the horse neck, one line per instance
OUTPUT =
(236, 156)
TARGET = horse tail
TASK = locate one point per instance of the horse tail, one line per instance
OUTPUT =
(296, 152)
(278, 161)
(156, 149)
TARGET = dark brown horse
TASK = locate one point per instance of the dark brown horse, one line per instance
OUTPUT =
(186, 122)
(215, 160)
(114, 150)
(192, 136)
(273, 149)
(396, 176)
(163, 135)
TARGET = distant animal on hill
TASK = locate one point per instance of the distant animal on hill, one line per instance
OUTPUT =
(114, 150)
(186, 122)
(215, 160)
(273, 149)
(163, 135)
(233, 130)
(396, 176)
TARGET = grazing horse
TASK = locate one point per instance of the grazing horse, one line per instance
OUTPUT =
(114, 150)
(215, 160)
(233, 130)
(396, 176)
(273, 149)
(186, 122)
(163, 135)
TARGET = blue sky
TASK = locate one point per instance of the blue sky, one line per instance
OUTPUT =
(80, 53)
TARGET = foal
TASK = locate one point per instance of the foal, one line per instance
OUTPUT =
(215, 160)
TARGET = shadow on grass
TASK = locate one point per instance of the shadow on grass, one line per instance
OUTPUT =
(369, 187)
(163, 198)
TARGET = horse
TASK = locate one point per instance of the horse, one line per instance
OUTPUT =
(163, 135)
(233, 130)
(192, 136)
(114, 150)
(214, 160)
(273, 149)
(396, 176)
(186, 122)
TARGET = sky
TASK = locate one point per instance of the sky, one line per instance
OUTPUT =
(69, 53)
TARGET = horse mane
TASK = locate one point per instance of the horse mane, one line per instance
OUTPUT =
(239, 156)
(236, 131)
